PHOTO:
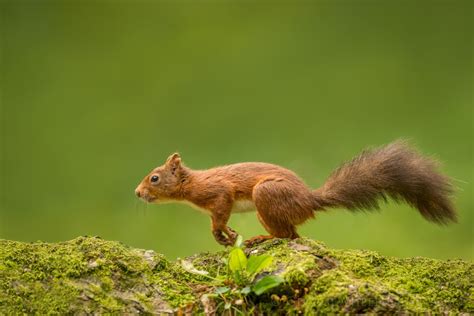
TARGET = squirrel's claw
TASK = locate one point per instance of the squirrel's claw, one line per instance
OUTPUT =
(232, 234)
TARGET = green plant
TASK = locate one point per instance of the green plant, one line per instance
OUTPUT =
(242, 278)
(243, 271)
(232, 290)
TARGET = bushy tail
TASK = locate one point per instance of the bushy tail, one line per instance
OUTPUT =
(396, 171)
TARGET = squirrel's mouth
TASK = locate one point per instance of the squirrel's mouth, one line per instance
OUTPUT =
(152, 199)
(149, 198)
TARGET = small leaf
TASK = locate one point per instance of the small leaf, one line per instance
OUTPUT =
(246, 290)
(222, 290)
(227, 305)
(189, 267)
(221, 278)
(266, 283)
(239, 241)
(256, 264)
(237, 260)
(212, 295)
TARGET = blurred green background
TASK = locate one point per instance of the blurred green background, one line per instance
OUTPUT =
(95, 94)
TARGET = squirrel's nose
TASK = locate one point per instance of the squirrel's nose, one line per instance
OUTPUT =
(137, 193)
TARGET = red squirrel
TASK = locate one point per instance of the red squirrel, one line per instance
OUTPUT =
(283, 200)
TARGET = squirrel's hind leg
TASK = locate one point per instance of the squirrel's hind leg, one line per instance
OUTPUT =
(276, 227)
(261, 238)
(277, 208)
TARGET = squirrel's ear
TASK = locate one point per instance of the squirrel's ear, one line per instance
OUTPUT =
(174, 162)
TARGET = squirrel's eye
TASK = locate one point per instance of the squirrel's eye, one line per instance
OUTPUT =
(154, 178)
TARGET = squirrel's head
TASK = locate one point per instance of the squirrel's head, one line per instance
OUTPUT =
(164, 182)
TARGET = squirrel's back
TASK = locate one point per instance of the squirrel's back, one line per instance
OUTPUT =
(242, 177)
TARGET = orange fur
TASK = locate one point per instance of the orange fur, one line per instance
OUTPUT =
(282, 199)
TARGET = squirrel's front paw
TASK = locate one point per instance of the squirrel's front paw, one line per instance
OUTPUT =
(221, 238)
(232, 234)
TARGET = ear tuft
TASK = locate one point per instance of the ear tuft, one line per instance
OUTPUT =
(174, 162)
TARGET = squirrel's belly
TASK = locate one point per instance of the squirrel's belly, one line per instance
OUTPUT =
(242, 206)
(194, 206)
(239, 206)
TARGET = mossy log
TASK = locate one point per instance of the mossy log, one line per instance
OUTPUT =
(89, 275)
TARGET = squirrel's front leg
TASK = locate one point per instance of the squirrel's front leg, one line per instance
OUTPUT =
(219, 218)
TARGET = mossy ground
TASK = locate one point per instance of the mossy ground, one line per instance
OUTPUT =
(91, 275)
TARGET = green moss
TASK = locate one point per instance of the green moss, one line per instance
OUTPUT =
(82, 274)
(383, 284)
(325, 296)
(91, 275)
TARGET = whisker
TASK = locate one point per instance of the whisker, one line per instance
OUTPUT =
(137, 206)
(459, 180)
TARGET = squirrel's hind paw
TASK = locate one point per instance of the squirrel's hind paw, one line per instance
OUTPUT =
(257, 240)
